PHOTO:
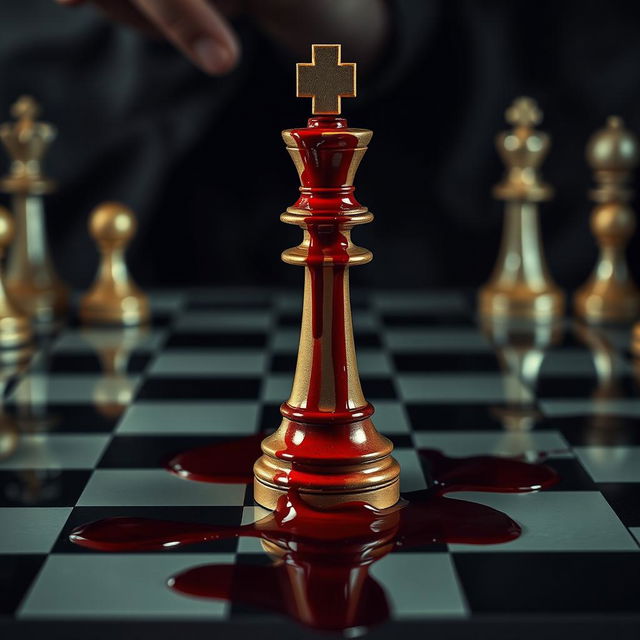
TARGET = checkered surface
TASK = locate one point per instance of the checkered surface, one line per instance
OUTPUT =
(216, 365)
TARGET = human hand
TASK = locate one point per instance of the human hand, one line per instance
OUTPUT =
(198, 28)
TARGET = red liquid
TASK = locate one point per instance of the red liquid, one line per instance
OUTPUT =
(322, 556)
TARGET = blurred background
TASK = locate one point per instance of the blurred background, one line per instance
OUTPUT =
(200, 159)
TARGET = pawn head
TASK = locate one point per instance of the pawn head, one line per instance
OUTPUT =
(113, 224)
(6, 228)
(613, 148)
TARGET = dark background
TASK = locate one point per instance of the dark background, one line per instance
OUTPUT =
(201, 161)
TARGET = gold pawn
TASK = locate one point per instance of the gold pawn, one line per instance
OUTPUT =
(610, 295)
(521, 286)
(114, 298)
(15, 329)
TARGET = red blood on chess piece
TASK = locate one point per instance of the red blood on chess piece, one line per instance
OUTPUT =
(326, 446)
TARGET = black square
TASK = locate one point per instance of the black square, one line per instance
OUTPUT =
(427, 320)
(470, 417)
(151, 452)
(199, 388)
(283, 363)
(270, 417)
(378, 388)
(17, 573)
(597, 429)
(572, 475)
(624, 498)
(578, 387)
(41, 487)
(446, 362)
(89, 363)
(549, 582)
(66, 418)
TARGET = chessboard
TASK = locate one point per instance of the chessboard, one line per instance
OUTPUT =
(87, 428)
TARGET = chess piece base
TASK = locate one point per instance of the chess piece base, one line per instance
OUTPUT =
(15, 331)
(129, 311)
(42, 305)
(329, 469)
(526, 304)
(613, 303)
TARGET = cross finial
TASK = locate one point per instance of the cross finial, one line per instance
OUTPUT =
(524, 112)
(326, 79)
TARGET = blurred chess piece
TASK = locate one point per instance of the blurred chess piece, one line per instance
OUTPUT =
(610, 295)
(12, 363)
(15, 328)
(31, 278)
(521, 347)
(520, 285)
(113, 298)
(114, 390)
(604, 427)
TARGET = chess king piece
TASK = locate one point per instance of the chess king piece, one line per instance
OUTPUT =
(610, 295)
(520, 285)
(113, 298)
(31, 278)
(326, 448)
(15, 328)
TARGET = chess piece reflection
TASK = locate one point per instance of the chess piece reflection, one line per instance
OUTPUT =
(114, 298)
(610, 295)
(520, 285)
(114, 390)
(31, 278)
(604, 428)
(15, 328)
(520, 346)
(12, 363)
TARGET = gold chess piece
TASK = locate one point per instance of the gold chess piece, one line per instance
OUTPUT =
(31, 278)
(114, 298)
(15, 328)
(327, 448)
(610, 295)
(521, 285)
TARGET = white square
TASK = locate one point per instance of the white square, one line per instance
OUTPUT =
(190, 418)
(225, 321)
(496, 443)
(155, 487)
(437, 340)
(209, 363)
(118, 586)
(59, 451)
(391, 417)
(610, 464)
(74, 388)
(420, 585)
(89, 340)
(459, 387)
(555, 521)
(411, 474)
(31, 529)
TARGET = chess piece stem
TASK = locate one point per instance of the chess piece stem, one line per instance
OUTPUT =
(31, 278)
(326, 447)
(114, 297)
(15, 329)
(521, 286)
(610, 295)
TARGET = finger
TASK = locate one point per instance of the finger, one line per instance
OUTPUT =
(126, 13)
(197, 29)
